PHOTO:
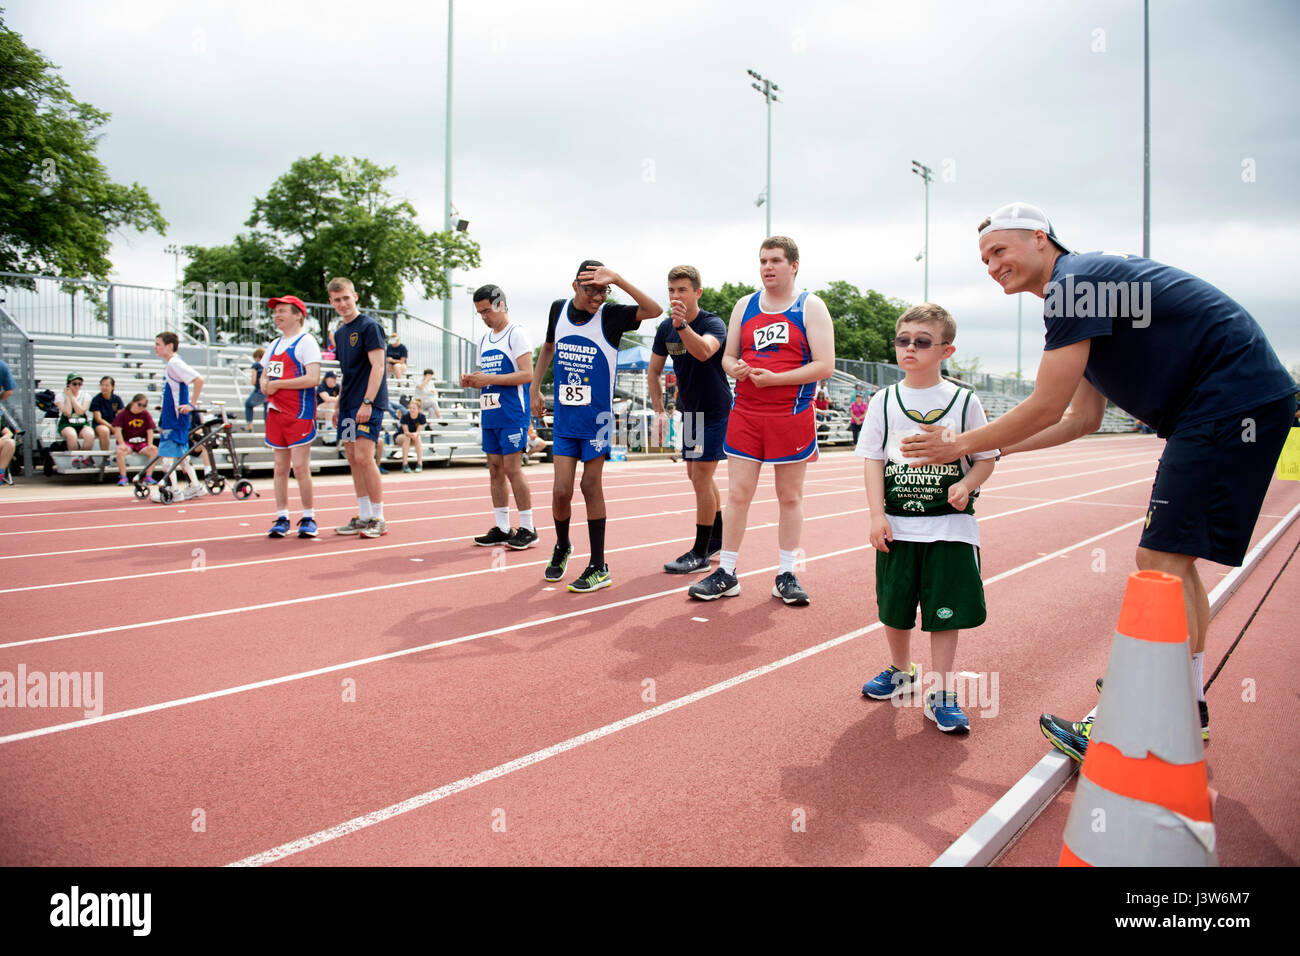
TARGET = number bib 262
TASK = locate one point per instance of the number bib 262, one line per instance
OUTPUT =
(778, 333)
(575, 394)
(489, 400)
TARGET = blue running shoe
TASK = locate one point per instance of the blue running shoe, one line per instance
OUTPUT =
(946, 715)
(280, 528)
(890, 683)
(307, 528)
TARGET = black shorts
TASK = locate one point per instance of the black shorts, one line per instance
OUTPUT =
(1211, 482)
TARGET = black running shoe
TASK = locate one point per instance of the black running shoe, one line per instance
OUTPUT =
(1205, 719)
(559, 561)
(521, 539)
(716, 585)
(492, 538)
(688, 563)
(1069, 737)
(788, 590)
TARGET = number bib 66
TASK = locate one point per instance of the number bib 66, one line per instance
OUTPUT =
(274, 369)
(778, 333)
(575, 394)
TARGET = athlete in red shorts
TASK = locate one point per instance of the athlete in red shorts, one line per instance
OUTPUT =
(780, 343)
(290, 374)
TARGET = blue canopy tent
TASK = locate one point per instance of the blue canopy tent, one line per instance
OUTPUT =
(634, 359)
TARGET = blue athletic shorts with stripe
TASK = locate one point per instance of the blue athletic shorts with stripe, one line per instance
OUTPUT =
(584, 449)
(505, 441)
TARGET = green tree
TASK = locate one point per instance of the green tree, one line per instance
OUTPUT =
(864, 322)
(335, 217)
(59, 207)
(722, 301)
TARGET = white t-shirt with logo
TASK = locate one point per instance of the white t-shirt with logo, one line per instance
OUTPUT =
(925, 403)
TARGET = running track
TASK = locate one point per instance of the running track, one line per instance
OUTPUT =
(499, 720)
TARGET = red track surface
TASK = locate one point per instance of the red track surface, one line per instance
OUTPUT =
(531, 732)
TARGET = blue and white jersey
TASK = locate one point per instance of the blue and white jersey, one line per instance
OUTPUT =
(176, 392)
(585, 363)
(503, 406)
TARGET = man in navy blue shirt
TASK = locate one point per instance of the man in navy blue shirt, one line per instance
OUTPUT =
(694, 337)
(1172, 351)
(359, 346)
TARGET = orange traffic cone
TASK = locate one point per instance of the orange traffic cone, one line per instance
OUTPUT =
(1143, 798)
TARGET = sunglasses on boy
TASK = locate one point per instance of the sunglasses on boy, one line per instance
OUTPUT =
(921, 342)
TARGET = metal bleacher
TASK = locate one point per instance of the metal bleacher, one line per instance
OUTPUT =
(451, 437)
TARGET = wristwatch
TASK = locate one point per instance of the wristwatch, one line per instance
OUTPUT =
(367, 401)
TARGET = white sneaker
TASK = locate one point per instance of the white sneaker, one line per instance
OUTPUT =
(193, 491)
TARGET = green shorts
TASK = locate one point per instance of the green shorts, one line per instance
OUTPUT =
(944, 576)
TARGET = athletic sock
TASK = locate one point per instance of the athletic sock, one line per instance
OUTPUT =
(283, 513)
(377, 510)
(1198, 671)
(363, 508)
(309, 513)
(787, 560)
(526, 519)
(703, 532)
(562, 533)
(727, 561)
(596, 532)
(502, 516)
(717, 526)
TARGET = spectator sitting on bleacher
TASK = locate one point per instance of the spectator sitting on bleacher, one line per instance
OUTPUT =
(256, 396)
(408, 436)
(427, 393)
(6, 454)
(395, 356)
(74, 422)
(133, 428)
(7, 383)
(327, 397)
(103, 409)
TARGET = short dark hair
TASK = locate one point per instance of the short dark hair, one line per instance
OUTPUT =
(685, 272)
(428, 371)
(109, 379)
(169, 338)
(587, 264)
(491, 293)
(139, 397)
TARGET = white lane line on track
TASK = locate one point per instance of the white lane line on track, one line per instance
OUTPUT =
(460, 574)
(843, 469)
(466, 783)
(150, 708)
(539, 507)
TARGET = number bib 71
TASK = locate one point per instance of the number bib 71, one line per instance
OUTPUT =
(489, 400)
(575, 394)
(778, 333)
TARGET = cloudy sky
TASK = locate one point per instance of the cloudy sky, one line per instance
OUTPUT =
(627, 131)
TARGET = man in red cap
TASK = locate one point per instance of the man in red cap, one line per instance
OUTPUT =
(290, 374)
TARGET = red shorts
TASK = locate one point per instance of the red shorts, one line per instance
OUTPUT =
(283, 431)
(774, 439)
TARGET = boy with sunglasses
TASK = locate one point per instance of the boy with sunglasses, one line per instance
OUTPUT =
(923, 518)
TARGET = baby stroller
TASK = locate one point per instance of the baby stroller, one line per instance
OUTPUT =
(209, 434)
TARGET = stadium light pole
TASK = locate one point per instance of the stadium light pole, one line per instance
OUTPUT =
(446, 211)
(1146, 129)
(769, 91)
(927, 175)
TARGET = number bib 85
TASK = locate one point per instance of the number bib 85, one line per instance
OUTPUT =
(575, 394)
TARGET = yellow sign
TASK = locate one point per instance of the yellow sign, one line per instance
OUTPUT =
(1288, 466)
